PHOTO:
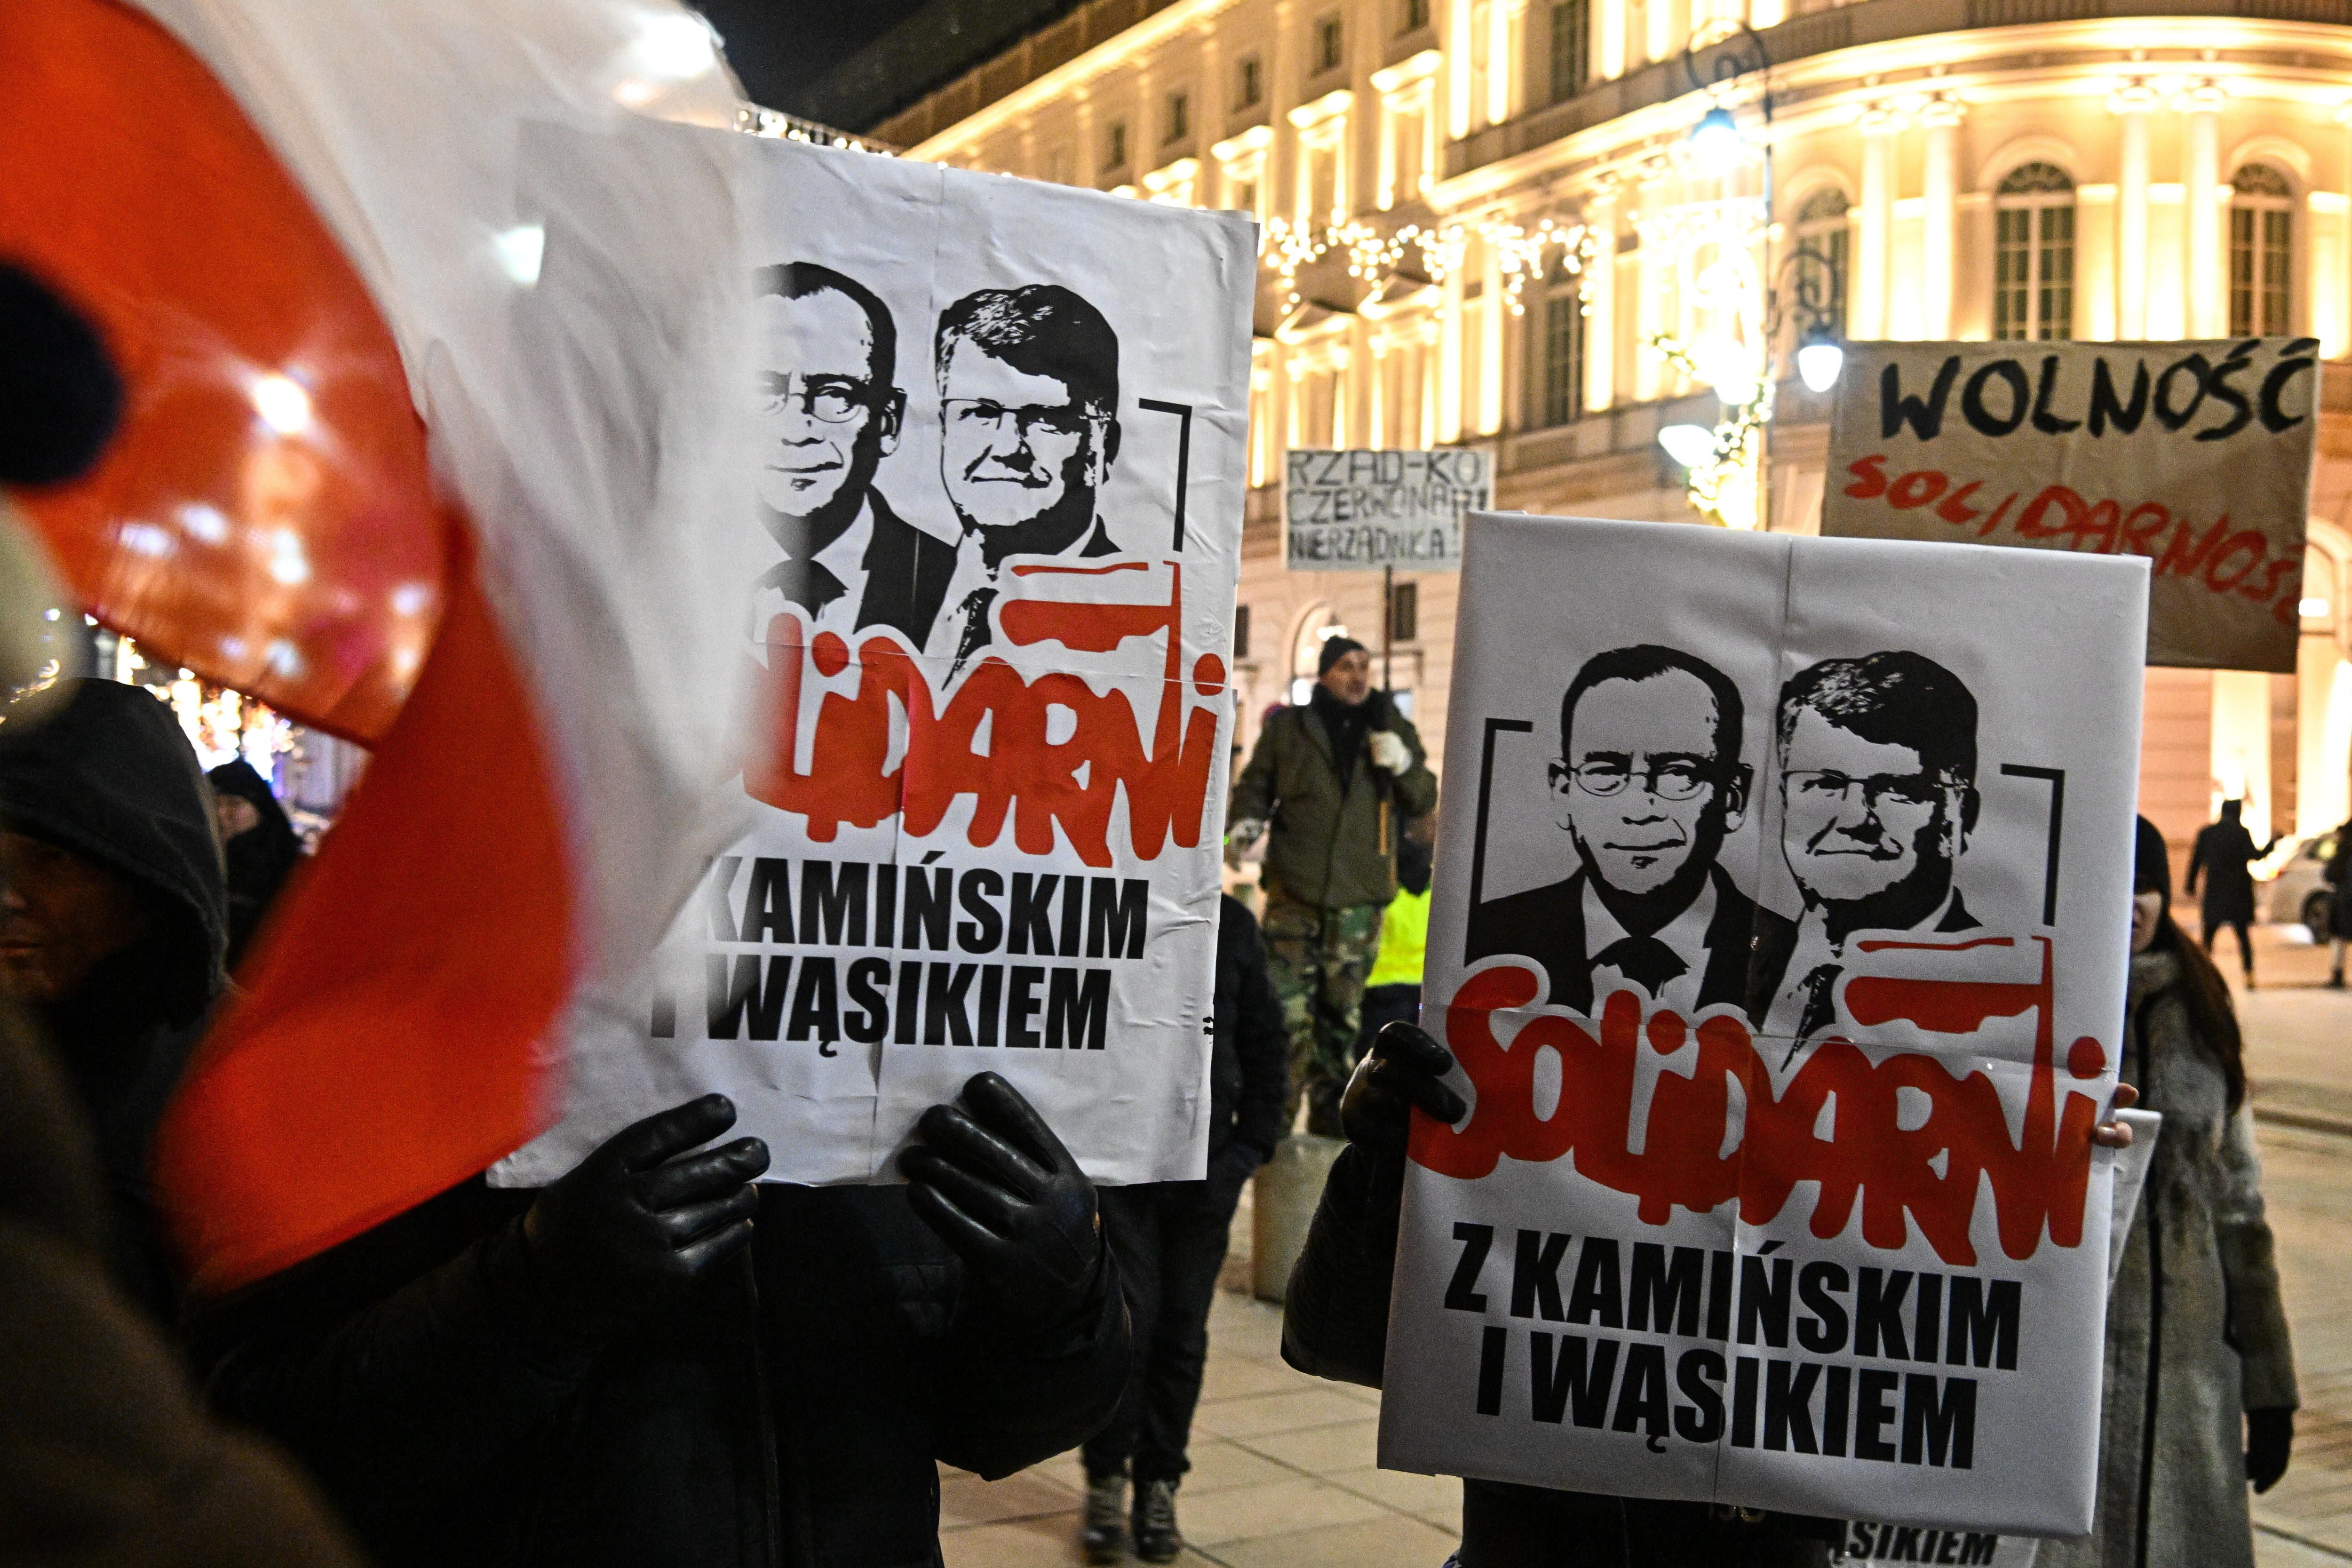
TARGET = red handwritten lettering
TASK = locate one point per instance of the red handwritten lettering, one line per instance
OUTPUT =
(1688, 1158)
(992, 739)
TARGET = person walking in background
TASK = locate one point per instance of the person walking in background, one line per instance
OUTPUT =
(259, 843)
(1392, 989)
(1168, 1239)
(2200, 1388)
(1332, 778)
(2339, 877)
(2223, 853)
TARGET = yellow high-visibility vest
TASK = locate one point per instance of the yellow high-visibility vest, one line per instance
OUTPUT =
(1404, 937)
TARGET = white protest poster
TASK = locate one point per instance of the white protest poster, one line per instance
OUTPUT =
(2196, 456)
(1873, 1541)
(1362, 511)
(1001, 480)
(1779, 938)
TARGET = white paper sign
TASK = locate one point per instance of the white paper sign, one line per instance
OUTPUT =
(1001, 483)
(1785, 989)
(1362, 511)
(2195, 456)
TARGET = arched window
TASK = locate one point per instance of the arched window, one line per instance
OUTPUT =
(1822, 231)
(2262, 239)
(2033, 254)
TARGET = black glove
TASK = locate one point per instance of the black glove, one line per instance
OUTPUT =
(1230, 1171)
(2270, 1437)
(1405, 1067)
(999, 1187)
(640, 1219)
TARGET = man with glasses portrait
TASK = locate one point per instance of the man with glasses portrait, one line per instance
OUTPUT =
(1878, 760)
(1647, 787)
(1028, 385)
(830, 412)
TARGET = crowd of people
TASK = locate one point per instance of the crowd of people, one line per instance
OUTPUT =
(659, 1358)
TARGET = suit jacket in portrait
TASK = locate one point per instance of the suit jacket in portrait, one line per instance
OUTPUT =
(1547, 924)
(907, 574)
(1776, 944)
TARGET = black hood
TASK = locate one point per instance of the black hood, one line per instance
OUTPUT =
(102, 769)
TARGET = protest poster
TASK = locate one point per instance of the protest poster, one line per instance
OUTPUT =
(2196, 456)
(1000, 478)
(1364, 511)
(1784, 990)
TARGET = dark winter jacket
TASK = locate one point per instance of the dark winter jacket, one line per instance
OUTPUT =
(100, 769)
(105, 1455)
(1335, 1324)
(1334, 822)
(1249, 1071)
(2223, 855)
(790, 1412)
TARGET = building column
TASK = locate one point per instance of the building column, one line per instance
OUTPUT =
(1492, 315)
(2131, 102)
(1457, 67)
(1449, 360)
(1649, 317)
(1874, 240)
(1659, 18)
(1503, 19)
(1939, 230)
(2201, 189)
(1609, 39)
(1601, 302)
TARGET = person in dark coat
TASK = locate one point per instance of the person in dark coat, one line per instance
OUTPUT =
(1170, 1240)
(652, 1364)
(112, 924)
(2338, 874)
(259, 843)
(2223, 855)
(2199, 1385)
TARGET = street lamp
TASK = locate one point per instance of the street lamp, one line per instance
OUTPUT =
(1688, 445)
(1820, 358)
(1715, 140)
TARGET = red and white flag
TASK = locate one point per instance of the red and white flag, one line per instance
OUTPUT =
(431, 314)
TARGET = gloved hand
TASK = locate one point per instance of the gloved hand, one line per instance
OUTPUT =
(996, 1184)
(1240, 834)
(639, 1219)
(1404, 1069)
(1230, 1171)
(2270, 1438)
(1389, 752)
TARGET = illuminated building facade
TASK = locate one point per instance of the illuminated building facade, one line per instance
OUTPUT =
(1486, 221)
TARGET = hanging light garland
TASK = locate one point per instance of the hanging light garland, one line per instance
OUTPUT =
(1286, 248)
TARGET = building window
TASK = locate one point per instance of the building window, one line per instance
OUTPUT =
(1240, 632)
(2261, 240)
(1179, 116)
(1404, 612)
(2033, 254)
(1415, 16)
(1115, 147)
(1822, 231)
(1571, 47)
(1330, 44)
(1561, 355)
(1249, 83)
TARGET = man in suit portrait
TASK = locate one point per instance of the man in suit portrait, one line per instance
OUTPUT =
(1028, 385)
(1878, 762)
(830, 412)
(1647, 785)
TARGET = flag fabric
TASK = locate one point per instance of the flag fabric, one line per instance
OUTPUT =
(434, 333)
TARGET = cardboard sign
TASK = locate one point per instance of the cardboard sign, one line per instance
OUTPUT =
(1362, 511)
(1001, 478)
(1780, 938)
(2195, 456)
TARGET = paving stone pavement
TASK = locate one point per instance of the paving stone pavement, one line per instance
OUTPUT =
(1284, 1473)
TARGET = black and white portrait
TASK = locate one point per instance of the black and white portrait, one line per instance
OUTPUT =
(1876, 768)
(1028, 384)
(830, 410)
(1647, 783)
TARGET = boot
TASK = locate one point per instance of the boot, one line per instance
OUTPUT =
(1104, 1540)
(1157, 1539)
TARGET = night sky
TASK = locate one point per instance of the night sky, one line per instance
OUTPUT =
(779, 47)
